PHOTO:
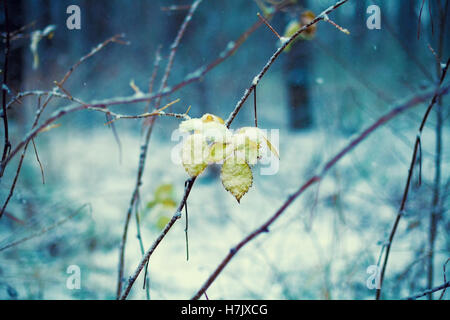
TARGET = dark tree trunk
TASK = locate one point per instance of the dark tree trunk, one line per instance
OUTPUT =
(297, 69)
(15, 61)
(407, 17)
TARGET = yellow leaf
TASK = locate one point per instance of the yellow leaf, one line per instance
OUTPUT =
(212, 127)
(247, 149)
(194, 154)
(257, 136)
(305, 19)
(162, 221)
(290, 30)
(237, 178)
(208, 117)
(219, 152)
(164, 191)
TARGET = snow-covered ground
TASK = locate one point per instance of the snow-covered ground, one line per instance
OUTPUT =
(320, 247)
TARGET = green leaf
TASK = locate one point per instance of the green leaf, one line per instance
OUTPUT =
(237, 178)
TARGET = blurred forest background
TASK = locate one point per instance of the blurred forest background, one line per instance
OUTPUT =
(319, 95)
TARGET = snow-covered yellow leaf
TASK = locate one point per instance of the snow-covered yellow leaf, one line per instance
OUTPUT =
(219, 152)
(237, 178)
(194, 154)
(210, 126)
(257, 136)
(208, 117)
(191, 125)
(247, 150)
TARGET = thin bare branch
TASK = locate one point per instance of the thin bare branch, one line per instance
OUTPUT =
(7, 143)
(401, 210)
(429, 291)
(264, 228)
(144, 146)
(190, 182)
(45, 229)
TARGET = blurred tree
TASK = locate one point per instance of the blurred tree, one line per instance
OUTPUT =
(15, 22)
(359, 22)
(15, 59)
(407, 22)
(297, 71)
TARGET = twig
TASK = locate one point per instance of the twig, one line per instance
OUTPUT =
(7, 143)
(116, 38)
(39, 161)
(334, 24)
(420, 19)
(264, 228)
(145, 144)
(176, 7)
(268, 25)
(45, 229)
(429, 291)
(254, 107)
(196, 75)
(445, 278)
(109, 120)
(272, 59)
(408, 181)
(186, 231)
(175, 217)
(190, 182)
(154, 74)
(39, 112)
(156, 113)
(435, 204)
(137, 202)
